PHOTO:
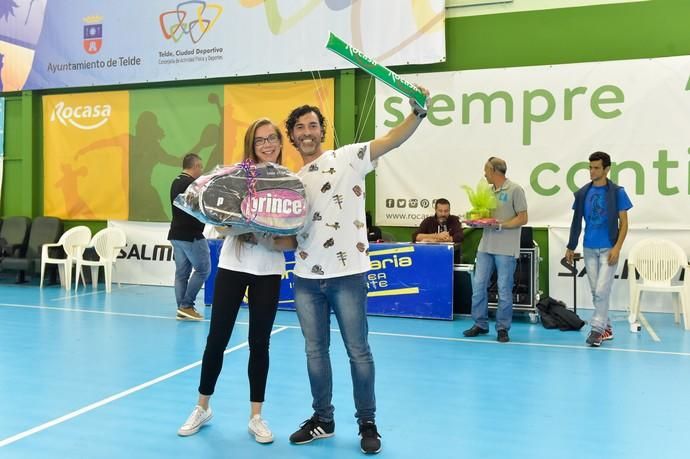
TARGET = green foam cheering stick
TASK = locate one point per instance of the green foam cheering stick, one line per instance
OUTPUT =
(378, 71)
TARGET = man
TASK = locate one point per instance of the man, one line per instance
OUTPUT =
(441, 227)
(331, 265)
(604, 207)
(190, 247)
(499, 248)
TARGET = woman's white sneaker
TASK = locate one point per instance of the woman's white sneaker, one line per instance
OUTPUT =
(198, 418)
(259, 428)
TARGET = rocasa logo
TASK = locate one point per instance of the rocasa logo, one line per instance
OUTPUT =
(264, 206)
(85, 117)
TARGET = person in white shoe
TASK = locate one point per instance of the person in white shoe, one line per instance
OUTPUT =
(252, 261)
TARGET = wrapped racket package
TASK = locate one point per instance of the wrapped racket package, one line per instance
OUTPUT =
(263, 197)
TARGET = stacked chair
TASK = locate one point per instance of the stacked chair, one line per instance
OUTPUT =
(65, 252)
(107, 244)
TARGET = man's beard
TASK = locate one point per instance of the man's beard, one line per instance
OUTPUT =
(311, 148)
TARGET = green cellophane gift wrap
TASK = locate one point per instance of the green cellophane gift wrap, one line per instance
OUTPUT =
(482, 199)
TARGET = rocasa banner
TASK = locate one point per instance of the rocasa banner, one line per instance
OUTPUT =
(48, 45)
(113, 155)
(86, 156)
(544, 121)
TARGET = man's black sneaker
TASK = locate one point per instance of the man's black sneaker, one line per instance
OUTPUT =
(371, 440)
(594, 339)
(502, 336)
(313, 429)
(475, 331)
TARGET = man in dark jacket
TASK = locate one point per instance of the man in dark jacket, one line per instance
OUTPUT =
(441, 227)
(190, 247)
(604, 207)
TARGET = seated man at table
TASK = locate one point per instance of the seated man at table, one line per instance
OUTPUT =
(441, 227)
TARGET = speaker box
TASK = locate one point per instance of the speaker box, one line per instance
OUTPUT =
(462, 291)
(526, 285)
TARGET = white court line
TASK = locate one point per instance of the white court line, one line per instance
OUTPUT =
(91, 311)
(97, 292)
(650, 330)
(112, 398)
(516, 343)
(112, 313)
(398, 335)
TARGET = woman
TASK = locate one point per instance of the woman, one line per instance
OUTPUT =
(254, 261)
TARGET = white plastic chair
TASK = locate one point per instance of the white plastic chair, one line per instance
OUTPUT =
(73, 241)
(658, 261)
(107, 243)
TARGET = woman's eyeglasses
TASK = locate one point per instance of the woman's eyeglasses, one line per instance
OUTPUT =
(259, 141)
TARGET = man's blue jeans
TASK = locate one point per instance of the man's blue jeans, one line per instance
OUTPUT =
(600, 275)
(190, 255)
(505, 269)
(347, 297)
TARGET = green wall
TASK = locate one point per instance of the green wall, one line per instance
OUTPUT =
(654, 28)
(22, 156)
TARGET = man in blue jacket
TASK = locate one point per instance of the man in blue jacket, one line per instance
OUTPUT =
(604, 207)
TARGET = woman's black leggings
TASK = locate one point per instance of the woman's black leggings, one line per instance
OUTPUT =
(263, 303)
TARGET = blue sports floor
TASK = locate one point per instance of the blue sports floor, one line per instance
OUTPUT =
(92, 375)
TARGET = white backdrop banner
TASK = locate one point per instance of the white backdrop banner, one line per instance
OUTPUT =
(148, 257)
(561, 280)
(50, 44)
(544, 121)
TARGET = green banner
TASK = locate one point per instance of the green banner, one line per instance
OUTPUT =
(2, 127)
(166, 124)
(378, 71)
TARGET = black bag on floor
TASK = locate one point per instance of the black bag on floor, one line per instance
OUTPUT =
(547, 320)
(554, 314)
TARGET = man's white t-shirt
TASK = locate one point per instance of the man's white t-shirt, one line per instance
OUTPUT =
(333, 242)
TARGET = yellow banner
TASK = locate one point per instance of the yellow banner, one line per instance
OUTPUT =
(244, 103)
(86, 155)
(88, 142)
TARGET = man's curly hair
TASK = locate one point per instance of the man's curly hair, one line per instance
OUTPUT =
(299, 112)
